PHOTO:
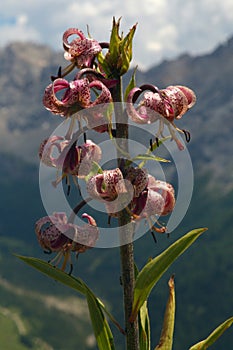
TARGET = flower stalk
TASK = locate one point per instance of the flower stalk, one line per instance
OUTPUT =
(126, 228)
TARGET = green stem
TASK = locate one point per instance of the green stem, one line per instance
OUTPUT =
(126, 229)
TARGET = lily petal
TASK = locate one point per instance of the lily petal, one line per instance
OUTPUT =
(82, 50)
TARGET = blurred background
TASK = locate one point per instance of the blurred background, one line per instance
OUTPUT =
(176, 42)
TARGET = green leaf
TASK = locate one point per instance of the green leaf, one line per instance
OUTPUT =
(204, 344)
(154, 269)
(126, 50)
(131, 85)
(70, 281)
(146, 157)
(117, 60)
(55, 273)
(115, 40)
(144, 327)
(143, 322)
(95, 169)
(166, 338)
(100, 325)
(110, 316)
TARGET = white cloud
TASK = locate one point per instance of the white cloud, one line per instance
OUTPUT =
(166, 28)
(22, 20)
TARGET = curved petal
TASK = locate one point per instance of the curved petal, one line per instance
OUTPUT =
(154, 204)
(106, 186)
(76, 96)
(178, 101)
(80, 49)
(68, 33)
(167, 192)
(48, 231)
(105, 95)
(139, 117)
(83, 237)
(50, 101)
(100, 115)
(138, 178)
(78, 92)
(46, 149)
(190, 95)
(89, 153)
(144, 113)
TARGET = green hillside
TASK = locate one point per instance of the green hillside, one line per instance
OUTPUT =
(203, 276)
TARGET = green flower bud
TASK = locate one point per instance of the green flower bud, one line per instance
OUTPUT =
(117, 60)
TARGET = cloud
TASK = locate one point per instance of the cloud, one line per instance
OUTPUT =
(166, 28)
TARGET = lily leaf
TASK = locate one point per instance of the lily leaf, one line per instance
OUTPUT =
(131, 85)
(144, 327)
(55, 273)
(143, 322)
(154, 269)
(204, 344)
(100, 325)
(146, 157)
(166, 338)
(68, 280)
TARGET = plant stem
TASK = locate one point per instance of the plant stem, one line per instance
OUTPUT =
(126, 232)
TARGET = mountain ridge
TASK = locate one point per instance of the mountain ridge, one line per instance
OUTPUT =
(25, 72)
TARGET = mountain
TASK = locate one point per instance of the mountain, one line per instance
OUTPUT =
(25, 70)
(210, 120)
(203, 275)
(24, 73)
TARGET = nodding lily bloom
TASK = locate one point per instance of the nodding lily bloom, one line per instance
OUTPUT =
(164, 105)
(80, 50)
(138, 178)
(56, 234)
(66, 156)
(111, 188)
(106, 186)
(116, 191)
(158, 199)
(77, 96)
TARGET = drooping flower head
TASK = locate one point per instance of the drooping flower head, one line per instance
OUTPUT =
(56, 234)
(80, 50)
(66, 156)
(117, 191)
(164, 106)
(157, 199)
(106, 186)
(77, 96)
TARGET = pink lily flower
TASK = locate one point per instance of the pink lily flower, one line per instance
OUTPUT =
(80, 50)
(158, 199)
(161, 105)
(66, 156)
(116, 191)
(56, 234)
(77, 96)
(106, 186)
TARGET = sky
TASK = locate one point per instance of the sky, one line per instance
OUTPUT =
(165, 30)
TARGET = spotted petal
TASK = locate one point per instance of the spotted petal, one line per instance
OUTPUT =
(106, 186)
(82, 50)
(75, 97)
